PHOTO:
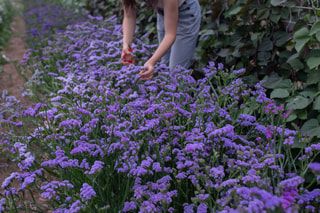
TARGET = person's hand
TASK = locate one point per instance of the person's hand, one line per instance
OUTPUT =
(126, 56)
(147, 73)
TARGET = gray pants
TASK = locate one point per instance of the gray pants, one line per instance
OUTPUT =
(182, 50)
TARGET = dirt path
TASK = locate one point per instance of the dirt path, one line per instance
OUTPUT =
(10, 79)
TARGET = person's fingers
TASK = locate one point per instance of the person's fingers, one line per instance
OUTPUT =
(146, 74)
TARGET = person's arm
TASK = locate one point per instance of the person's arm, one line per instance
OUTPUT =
(171, 11)
(128, 26)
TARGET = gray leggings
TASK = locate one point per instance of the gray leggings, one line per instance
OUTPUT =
(182, 50)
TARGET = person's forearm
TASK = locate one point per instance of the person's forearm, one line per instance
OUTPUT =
(164, 46)
(128, 25)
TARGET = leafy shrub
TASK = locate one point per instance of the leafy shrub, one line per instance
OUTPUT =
(6, 14)
(106, 141)
(277, 41)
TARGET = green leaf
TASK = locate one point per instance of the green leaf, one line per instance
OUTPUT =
(312, 127)
(313, 77)
(279, 93)
(277, 2)
(266, 45)
(316, 104)
(315, 28)
(296, 64)
(234, 11)
(292, 117)
(313, 59)
(298, 102)
(281, 38)
(302, 114)
(308, 93)
(263, 56)
(224, 52)
(318, 36)
(301, 37)
(285, 84)
(272, 81)
(275, 17)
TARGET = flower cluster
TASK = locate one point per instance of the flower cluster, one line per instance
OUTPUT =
(169, 144)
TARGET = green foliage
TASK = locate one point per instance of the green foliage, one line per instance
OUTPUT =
(6, 14)
(277, 41)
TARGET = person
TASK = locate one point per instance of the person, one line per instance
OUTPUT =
(178, 24)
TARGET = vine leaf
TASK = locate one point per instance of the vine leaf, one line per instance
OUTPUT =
(277, 2)
(301, 37)
(312, 127)
(299, 102)
(279, 93)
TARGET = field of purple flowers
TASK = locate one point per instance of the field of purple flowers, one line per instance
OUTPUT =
(99, 139)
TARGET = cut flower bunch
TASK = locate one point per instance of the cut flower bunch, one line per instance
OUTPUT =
(103, 140)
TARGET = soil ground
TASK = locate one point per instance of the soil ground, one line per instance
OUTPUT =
(11, 80)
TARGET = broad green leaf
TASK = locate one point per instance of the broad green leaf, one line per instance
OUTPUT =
(312, 127)
(275, 18)
(296, 64)
(277, 2)
(292, 117)
(308, 93)
(318, 36)
(313, 59)
(298, 102)
(313, 62)
(316, 104)
(313, 77)
(263, 56)
(302, 114)
(234, 11)
(301, 37)
(271, 81)
(266, 45)
(284, 84)
(224, 52)
(279, 93)
(281, 38)
(315, 28)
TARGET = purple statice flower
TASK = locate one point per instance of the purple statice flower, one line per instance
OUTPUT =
(51, 187)
(56, 99)
(226, 130)
(308, 197)
(229, 183)
(156, 166)
(97, 166)
(7, 181)
(315, 167)
(291, 183)
(2, 204)
(147, 206)
(316, 146)
(202, 208)
(188, 208)
(192, 147)
(87, 192)
(289, 141)
(28, 180)
(70, 124)
(217, 173)
(289, 197)
(129, 206)
(240, 71)
(75, 206)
